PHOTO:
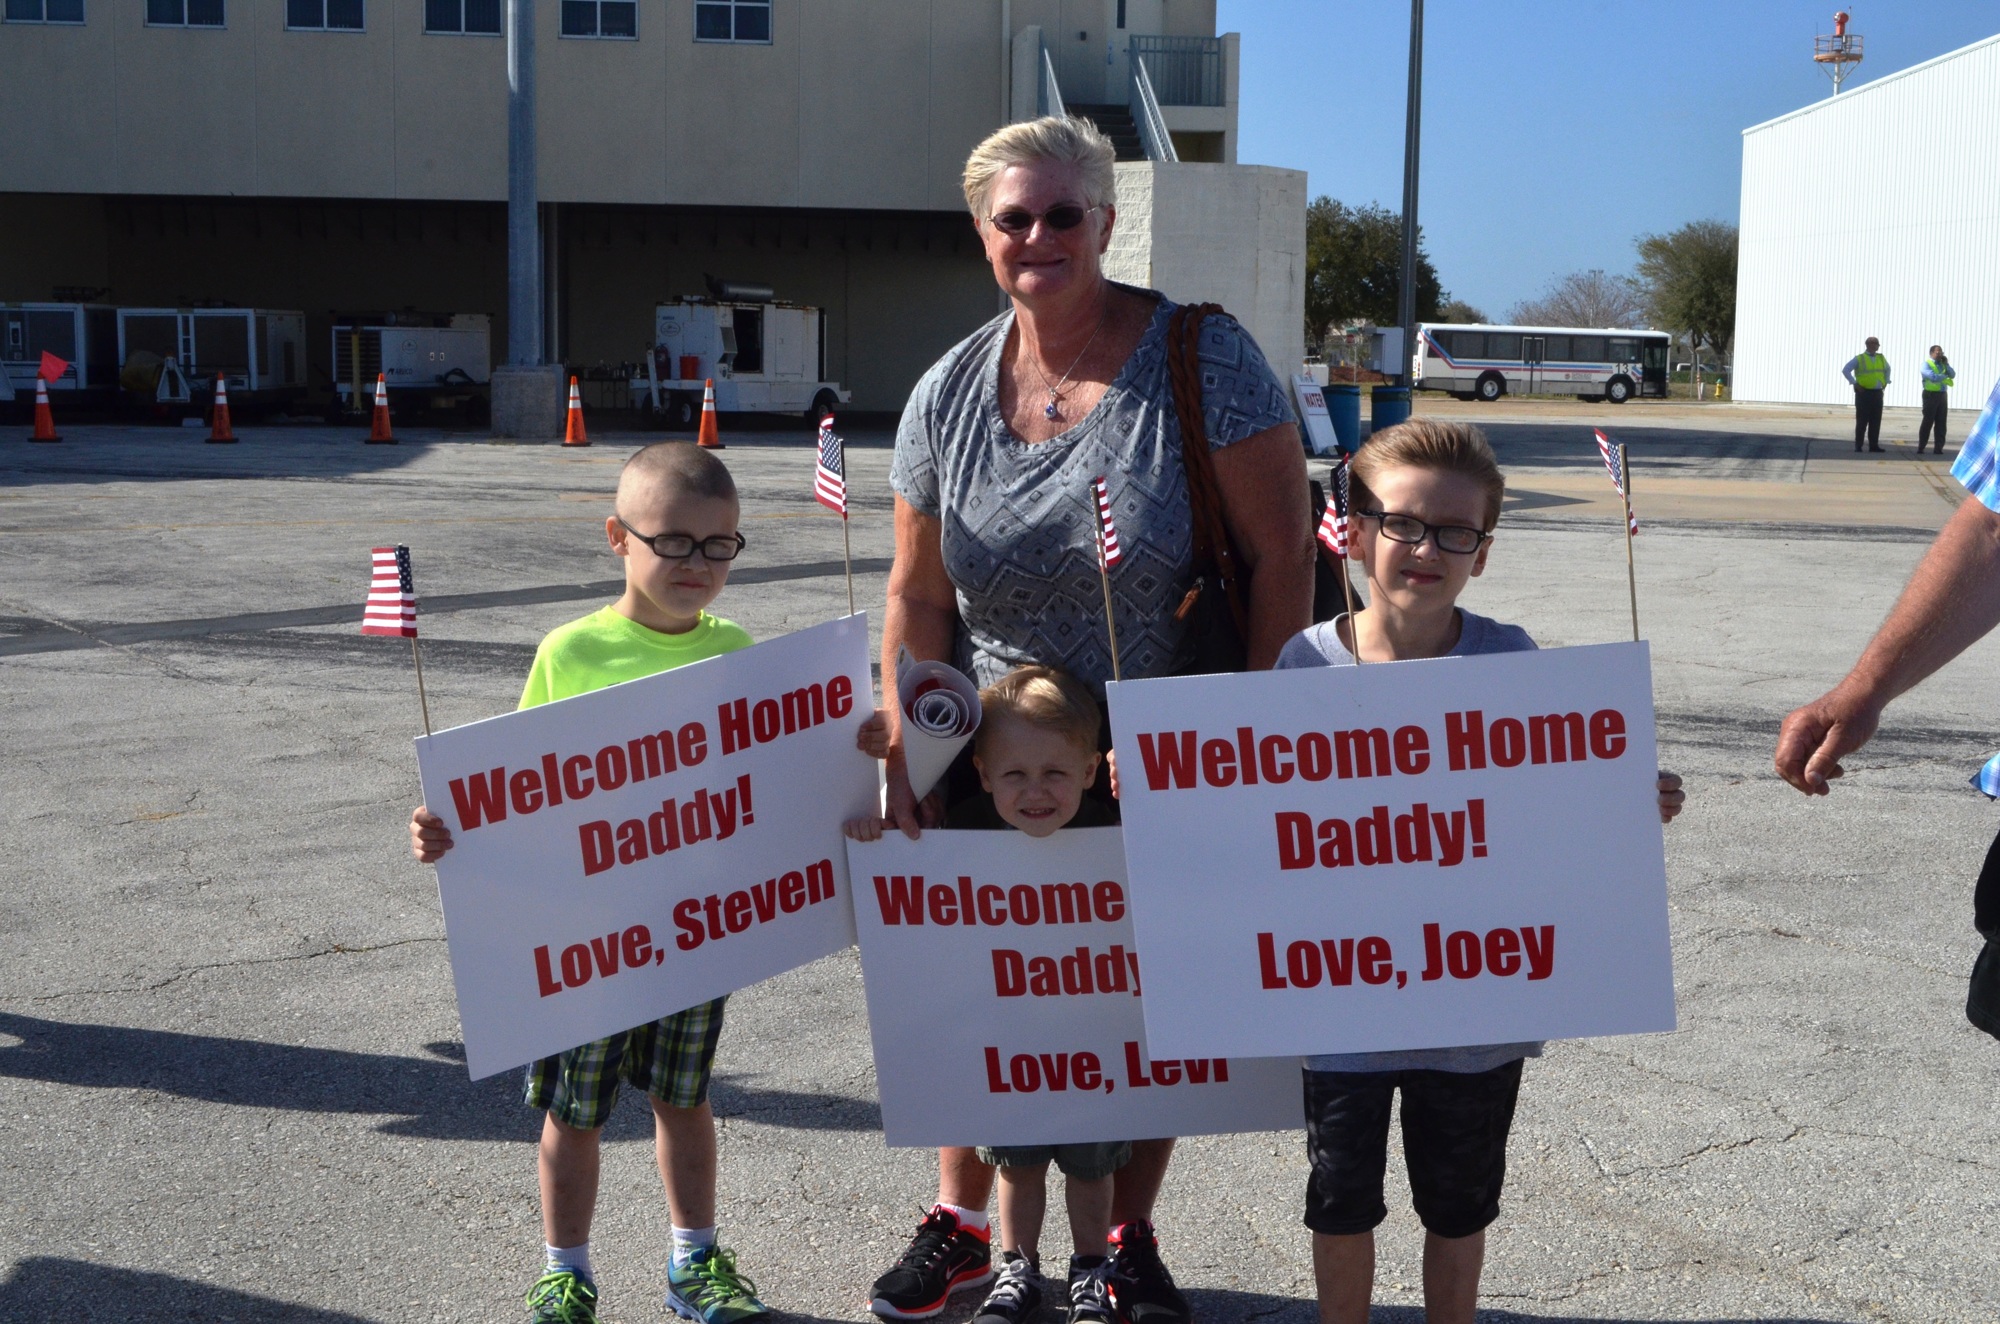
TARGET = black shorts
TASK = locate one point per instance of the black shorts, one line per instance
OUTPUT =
(1455, 1127)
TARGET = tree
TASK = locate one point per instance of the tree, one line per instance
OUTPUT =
(1354, 260)
(1690, 281)
(1458, 310)
(1584, 298)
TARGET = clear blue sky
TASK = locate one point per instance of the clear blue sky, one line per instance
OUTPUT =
(1554, 131)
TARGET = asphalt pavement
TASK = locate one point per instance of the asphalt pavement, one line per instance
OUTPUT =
(231, 1086)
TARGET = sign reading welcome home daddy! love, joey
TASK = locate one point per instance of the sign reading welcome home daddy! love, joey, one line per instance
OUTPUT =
(1397, 855)
(641, 849)
(1003, 1000)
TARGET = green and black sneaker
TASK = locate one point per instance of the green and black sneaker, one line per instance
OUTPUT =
(708, 1290)
(562, 1296)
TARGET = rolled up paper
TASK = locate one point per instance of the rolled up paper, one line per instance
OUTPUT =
(940, 713)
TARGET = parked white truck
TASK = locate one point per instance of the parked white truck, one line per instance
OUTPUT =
(435, 361)
(764, 355)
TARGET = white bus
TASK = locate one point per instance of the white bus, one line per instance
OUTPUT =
(1487, 362)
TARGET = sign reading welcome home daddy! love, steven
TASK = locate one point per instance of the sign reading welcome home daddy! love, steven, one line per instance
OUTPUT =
(1003, 1000)
(1397, 855)
(642, 849)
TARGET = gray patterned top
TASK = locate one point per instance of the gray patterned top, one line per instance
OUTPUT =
(1017, 517)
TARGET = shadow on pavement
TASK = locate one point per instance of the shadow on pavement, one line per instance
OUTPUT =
(50, 1289)
(427, 1098)
(1227, 1307)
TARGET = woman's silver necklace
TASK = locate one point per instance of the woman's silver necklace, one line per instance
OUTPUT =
(1053, 409)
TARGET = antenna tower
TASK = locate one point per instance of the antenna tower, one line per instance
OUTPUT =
(1837, 52)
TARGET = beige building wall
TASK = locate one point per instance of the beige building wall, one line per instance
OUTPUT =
(1228, 234)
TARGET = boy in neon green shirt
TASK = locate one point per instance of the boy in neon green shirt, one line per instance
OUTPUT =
(674, 524)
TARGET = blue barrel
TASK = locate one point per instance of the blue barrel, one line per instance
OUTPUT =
(1343, 406)
(1390, 406)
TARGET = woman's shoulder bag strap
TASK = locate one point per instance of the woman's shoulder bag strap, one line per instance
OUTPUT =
(1216, 561)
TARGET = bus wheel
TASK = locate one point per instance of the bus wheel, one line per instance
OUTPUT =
(1618, 390)
(1491, 387)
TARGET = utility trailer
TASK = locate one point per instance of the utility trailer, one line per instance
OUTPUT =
(172, 356)
(82, 334)
(764, 355)
(435, 361)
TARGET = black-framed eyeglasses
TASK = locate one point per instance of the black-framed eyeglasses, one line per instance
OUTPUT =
(680, 546)
(1454, 538)
(1063, 216)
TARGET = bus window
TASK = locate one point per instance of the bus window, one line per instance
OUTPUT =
(1468, 344)
(1503, 345)
(1588, 349)
(1556, 350)
(1623, 351)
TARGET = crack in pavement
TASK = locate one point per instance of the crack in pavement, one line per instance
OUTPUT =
(337, 949)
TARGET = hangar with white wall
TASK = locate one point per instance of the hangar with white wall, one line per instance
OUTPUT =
(1874, 213)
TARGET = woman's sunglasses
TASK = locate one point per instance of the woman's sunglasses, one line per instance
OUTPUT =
(1018, 221)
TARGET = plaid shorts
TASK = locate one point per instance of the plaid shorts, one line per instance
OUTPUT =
(669, 1058)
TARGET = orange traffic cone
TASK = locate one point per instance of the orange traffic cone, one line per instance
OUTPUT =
(45, 422)
(220, 430)
(706, 438)
(573, 433)
(378, 432)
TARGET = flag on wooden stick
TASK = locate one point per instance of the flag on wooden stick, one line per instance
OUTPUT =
(1333, 521)
(830, 473)
(391, 609)
(1614, 465)
(1108, 554)
(392, 595)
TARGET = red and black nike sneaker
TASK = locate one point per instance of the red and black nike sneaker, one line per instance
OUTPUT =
(1142, 1291)
(944, 1257)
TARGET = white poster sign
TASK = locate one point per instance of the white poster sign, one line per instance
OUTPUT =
(641, 849)
(1397, 855)
(1003, 1000)
(1320, 437)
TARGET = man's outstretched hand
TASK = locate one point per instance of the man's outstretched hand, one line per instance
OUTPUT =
(1815, 738)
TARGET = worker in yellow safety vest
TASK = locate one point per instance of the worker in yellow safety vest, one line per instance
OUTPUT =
(1938, 376)
(1868, 373)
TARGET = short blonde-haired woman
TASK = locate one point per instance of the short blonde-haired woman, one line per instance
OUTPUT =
(996, 564)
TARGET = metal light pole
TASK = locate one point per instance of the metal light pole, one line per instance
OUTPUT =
(524, 240)
(1406, 299)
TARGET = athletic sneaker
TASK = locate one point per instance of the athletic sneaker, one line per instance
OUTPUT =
(1089, 1295)
(562, 1296)
(1016, 1297)
(1142, 1291)
(708, 1290)
(944, 1257)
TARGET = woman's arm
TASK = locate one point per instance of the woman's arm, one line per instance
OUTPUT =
(921, 615)
(1264, 501)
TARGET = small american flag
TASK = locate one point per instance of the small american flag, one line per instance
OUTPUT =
(392, 595)
(1333, 522)
(1108, 553)
(830, 473)
(1610, 454)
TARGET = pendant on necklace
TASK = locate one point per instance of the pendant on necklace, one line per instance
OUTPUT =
(1049, 410)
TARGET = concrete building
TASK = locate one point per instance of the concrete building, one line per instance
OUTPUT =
(1874, 213)
(347, 155)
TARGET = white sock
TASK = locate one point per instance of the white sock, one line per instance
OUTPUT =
(574, 1258)
(688, 1240)
(972, 1220)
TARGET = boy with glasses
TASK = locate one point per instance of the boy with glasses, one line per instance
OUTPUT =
(674, 524)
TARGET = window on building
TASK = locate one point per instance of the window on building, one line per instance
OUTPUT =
(44, 11)
(600, 18)
(473, 16)
(184, 13)
(324, 15)
(732, 20)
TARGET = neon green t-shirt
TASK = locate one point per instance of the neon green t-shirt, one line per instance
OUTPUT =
(605, 648)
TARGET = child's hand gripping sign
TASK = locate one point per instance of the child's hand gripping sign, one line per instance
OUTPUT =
(1421, 854)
